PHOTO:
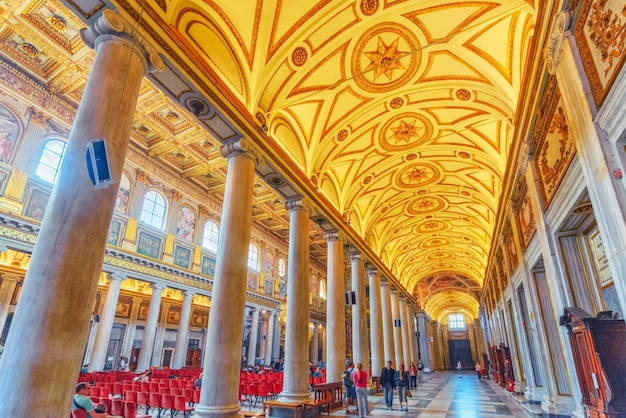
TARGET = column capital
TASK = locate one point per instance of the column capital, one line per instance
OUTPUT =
(562, 23)
(372, 271)
(189, 293)
(355, 256)
(384, 284)
(157, 286)
(116, 276)
(110, 26)
(300, 204)
(176, 195)
(244, 148)
(141, 176)
(394, 291)
(203, 211)
(334, 236)
(11, 277)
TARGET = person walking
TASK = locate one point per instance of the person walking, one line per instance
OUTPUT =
(360, 381)
(348, 382)
(401, 380)
(413, 375)
(387, 376)
(420, 371)
(479, 370)
(459, 368)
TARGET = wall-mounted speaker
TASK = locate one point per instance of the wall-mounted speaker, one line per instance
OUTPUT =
(96, 318)
(98, 164)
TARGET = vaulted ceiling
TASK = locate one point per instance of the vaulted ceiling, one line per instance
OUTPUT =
(400, 114)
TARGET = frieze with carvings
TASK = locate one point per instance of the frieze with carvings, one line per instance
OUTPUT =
(511, 251)
(600, 34)
(555, 151)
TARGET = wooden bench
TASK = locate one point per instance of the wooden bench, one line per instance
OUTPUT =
(299, 408)
(328, 396)
(250, 414)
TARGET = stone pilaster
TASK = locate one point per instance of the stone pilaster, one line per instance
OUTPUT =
(254, 336)
(387, 324)
(182, 336)
(335, 309)
(67, 258)
(219, 397)
(397, 329)
(149, 331)
(376, 323)
(295, 386)
(406, 350)
(410, 321)
(101, 345)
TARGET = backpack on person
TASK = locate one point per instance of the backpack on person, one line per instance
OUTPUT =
(347, 378)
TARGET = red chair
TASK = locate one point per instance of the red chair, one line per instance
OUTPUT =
(264, 391)
(106, 402)
(79, 413)
(188, 394)
(154, 401)
(167, 402)
(196, 396)
(180, 405)
(130, 395)
(252, 391)
(94, 392)
(117, 389)
(117, 407)
(317, 380)
(104, 392)
(130, 411)
(144, 400)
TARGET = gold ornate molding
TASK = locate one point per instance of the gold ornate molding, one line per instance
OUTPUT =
(562, 23)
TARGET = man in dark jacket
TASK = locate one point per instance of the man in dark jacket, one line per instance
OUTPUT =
(387, 382)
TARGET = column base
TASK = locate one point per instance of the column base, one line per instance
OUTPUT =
(290, 397)
(226, 411)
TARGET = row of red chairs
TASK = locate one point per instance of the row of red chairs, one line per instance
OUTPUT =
(163, 402)
(253, 392)
(191, 396)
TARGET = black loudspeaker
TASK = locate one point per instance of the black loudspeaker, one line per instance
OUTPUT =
(98, 164)
(350, 297)
(96, 318)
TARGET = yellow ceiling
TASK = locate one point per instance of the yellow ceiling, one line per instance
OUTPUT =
(400, 113)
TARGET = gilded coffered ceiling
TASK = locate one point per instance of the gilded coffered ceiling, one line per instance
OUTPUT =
(400, 114)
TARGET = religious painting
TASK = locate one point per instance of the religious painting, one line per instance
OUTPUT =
(268, 263)
(268, 287)
(199, 318)
(9, 133)
(173, 316)
(253, 282)
(143, 312)
(185, 224)
(36, 206)
(600, 34)
(122, 310)
(282, 268)
(601, 260)
(208, 266)
(123, 195)
(511, 251)
(114, 232)
(315, 286)
(149, 245)
(182, 256)
(526, 220)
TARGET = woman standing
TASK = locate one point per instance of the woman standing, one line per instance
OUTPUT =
(402, 383)
(360, 382)
(413, 375)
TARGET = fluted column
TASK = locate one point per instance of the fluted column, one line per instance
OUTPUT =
(101, 345)
(360, 349)
(406, 350)
(269, 338)
(335, 309)
(316, 344)
(218, 397)
(387, 324)
(376, 323)
(254, 335)
(397, 329)
(67, 258)
(149, 331)
(182, 336)
(7, 288)
(295, 387)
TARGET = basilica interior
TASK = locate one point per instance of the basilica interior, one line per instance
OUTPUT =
(221, 184)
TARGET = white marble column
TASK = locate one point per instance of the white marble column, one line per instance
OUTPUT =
(376, 323)
(296, 385)
(410, 322)
(218, 397)
(263, 338)
(406, 350)
(335, 309)
(7, 288)
(67, 259)
(182, 336)
(129, 333)
(316, 344)
(254, 336)
(387, 324)
(424, 341)
(323, 342)
(101, 345)
(269, 338)
(149, 332)
(360, 337)
(159, 338)
(397, 329)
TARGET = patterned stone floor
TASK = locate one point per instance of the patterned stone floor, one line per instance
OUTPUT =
(445, 395)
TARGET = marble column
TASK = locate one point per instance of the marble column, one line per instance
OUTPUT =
(387, 324)
(149, 332)
(254, 336)
(296, 385)
(410, 322)
(182, 336)
(360, 349)
(376, 323)
(397, 329)
(335, 309)
(67, 257)
(101, 345)
(316, 344)
(323, 341)
(159, 338)
(424, 341)
(129, 334)
(269, 338)
(218, 397)
(7, 288)
(406, 350)
(263, 338)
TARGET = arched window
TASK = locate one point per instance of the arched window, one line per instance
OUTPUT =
(50, 160)
(153, 211)
(456, 321)
(281, 267)
(211, 236)
(253, 257)
(323, 289)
